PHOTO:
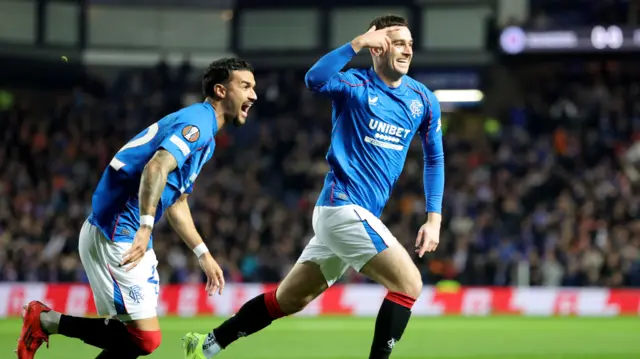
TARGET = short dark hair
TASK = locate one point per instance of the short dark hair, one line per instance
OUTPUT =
(384, 21)
(219, 71)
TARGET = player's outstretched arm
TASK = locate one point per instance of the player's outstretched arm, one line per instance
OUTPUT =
(431, 135)
(324, 75)
(179, 216)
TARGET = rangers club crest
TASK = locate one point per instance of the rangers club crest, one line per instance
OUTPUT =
(416, 108)
(135, 293)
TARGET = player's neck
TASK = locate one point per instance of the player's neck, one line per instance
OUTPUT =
(217, 107)
(391, 80)
(220, 120)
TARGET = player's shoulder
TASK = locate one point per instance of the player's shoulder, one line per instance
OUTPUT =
(420, 88)
(359, 76)
(201, 113)
(197, 120)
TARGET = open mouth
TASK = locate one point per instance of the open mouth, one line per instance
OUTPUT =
(244, 109)
(403, 61)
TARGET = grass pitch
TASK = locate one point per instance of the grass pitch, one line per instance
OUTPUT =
(425, 338)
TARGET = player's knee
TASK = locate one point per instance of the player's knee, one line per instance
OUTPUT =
(146, 341)
(294, 304)
(414, 288)
(406, 295)
(410, 284)
(414, 283)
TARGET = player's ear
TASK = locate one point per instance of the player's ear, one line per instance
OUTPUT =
(375, 51)
(220, 90)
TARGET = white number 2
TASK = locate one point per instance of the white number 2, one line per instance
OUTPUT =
(151, 133)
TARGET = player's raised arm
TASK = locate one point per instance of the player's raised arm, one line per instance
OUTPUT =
(325, 76)
(431, 136)
(179, 216)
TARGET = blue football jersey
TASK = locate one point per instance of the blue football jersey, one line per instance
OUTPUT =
(187, 134)
(372, 127)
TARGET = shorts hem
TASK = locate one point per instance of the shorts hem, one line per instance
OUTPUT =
(329, 282)
(364, 263)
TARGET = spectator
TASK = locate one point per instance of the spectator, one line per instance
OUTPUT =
(545, 202)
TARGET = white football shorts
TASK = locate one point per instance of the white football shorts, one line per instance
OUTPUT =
(117, 293)
(345, 236)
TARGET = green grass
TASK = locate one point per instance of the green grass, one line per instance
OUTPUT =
(425, 338)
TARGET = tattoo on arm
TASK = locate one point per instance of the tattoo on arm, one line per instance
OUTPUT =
(153, 181)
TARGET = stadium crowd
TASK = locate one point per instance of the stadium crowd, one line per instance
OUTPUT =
(542, 200)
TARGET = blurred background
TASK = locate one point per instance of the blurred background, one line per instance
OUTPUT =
(541, 116)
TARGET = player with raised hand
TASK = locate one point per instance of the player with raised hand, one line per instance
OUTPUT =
(150, 176)
(376, 113)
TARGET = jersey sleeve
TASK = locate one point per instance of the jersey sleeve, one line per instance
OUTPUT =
(184, 138)
(431, 136)
(325, 76)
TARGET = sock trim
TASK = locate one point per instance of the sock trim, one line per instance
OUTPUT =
(147, 340)
(273, 307)
(213, 347)
(401, 299)
(214, 337)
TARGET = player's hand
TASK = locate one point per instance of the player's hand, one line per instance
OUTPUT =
(376, 39)
(133, 256)
(428, 238)
(215, 276)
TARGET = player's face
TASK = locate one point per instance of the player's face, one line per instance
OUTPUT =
(399, 56)
(240, 96)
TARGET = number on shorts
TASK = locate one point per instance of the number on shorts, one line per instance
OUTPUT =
(153, 280)
(151, 133)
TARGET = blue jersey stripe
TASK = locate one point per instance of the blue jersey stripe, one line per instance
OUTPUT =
(118, 299)
(377, 240)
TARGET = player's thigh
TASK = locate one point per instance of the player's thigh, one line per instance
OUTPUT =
(316, 270)
(394, 269)
(301, 285)
(130, 296)
(361, 240)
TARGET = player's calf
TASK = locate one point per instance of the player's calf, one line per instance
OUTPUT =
(112, 335)
(255, 315)
(394, 269)
(302, 285)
